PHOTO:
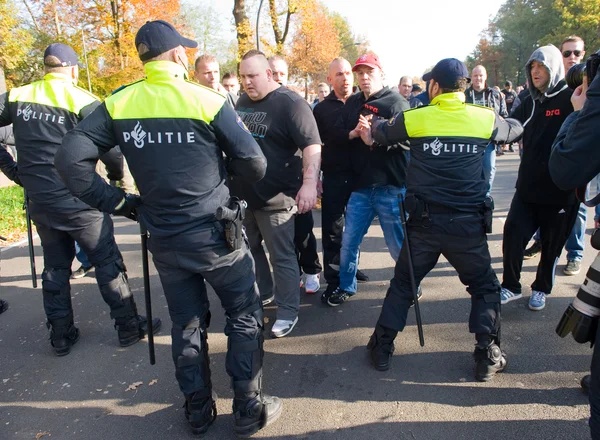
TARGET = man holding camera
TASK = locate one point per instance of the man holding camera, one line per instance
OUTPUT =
(573, 163)
(538, 202)
(174, 133)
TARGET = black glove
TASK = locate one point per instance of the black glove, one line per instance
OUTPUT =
(128, 206)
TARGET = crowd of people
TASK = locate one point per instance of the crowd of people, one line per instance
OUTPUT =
(195, 147)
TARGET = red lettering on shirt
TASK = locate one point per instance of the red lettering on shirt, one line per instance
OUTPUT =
(373, 109)
(555, 112)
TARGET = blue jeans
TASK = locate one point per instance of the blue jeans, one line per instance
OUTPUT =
(81, 256)
(362, 208)
(489, 166)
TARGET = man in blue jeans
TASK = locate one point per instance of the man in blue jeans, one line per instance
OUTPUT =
(381, 173)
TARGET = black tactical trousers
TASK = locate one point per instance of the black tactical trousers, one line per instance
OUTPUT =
(306, 244)
(94, 231)
(460, 237)
(185, 262)
(337, 188)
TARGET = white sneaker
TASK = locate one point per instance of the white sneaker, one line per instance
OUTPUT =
(312, 283)
(283, 327)
(507, 296)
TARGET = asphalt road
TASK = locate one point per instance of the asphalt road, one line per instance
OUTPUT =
(320, 370)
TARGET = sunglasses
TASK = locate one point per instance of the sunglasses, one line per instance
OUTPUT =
(567, 53)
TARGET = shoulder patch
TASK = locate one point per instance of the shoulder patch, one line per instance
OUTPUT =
(126, 85)
(242, 125)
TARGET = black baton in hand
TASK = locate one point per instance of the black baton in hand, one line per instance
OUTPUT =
(411, 270)
(30, 239)
(147, 296)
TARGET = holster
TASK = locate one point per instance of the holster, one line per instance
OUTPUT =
(488, 214)
(233, 215)
(418, 211)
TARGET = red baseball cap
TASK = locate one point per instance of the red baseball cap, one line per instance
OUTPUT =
(369, 59)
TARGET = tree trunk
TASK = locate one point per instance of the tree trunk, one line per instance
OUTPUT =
(243, 28)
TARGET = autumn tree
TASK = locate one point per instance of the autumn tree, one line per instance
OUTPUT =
(315, 43)
(15, 41)
(243, 28)
(352, 46)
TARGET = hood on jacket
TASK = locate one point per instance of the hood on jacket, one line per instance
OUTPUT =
(550, 57)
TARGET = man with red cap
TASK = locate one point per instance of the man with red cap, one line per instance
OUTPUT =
(380, 173)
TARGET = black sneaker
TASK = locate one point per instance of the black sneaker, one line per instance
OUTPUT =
(338, 297)
(81, 272)
(200, 412)
(3, 306)
(533, 251)
(328, 292)
(488, 362)
(251, 415)
(361, 277)
(381, 347)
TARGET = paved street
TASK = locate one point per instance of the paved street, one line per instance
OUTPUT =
(321, 370)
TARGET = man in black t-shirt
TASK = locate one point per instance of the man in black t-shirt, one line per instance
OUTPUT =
(285, 129)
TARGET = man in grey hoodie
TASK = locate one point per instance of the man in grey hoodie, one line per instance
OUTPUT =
(538, 202)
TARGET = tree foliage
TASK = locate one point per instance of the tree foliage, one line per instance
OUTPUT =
(523, 25)
(15, 40)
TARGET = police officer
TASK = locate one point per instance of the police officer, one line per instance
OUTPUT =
(445, 199)
(41, 113)
(173, 133)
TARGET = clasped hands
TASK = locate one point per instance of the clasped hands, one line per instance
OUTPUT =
(363, 130)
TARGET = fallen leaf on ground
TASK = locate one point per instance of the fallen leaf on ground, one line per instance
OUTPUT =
(39, 435)
(134, 386)
(153, 381)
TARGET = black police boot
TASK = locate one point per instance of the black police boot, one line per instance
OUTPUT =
(488, 361)
(63, 334)
(200, 411)
(132, 327)
(381, 347)
(253, 414)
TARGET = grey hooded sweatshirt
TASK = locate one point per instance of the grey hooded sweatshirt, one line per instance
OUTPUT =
(542, 115)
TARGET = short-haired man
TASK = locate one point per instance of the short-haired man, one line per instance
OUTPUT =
(572, 50)
(208, 73)
(282, 123)
(405, 88)
(479, 93)
(231, 83)
(338, 177)
(538, 202)
(280, 69)
(42, 113)
(510, 96)
(380, 173)
(322, 91)
(446, 210)
(176, 134)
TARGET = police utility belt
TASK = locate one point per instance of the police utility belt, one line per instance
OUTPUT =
(233, 215)
(419, 212)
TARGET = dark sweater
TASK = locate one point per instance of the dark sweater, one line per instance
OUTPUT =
(374, 166)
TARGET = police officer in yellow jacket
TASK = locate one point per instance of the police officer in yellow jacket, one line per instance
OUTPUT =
(41, 113)
(173, 134)
(447, 208)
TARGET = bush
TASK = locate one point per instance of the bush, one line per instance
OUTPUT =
(12, 215)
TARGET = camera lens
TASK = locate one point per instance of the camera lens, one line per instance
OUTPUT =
(574, 76)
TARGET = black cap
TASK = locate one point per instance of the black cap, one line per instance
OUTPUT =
(447, 71)
(65, 54)
(417, 88)
(160, 36)
(508, 84)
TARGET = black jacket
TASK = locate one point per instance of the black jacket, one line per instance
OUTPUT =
(374, 166)
(574, 160)
(335, 155)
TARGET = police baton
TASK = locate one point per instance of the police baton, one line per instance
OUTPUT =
(30, 239)
(147, 296)
(411, 270)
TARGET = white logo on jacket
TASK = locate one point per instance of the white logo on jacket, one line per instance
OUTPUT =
(141, 137)
(29, 114)
(437, 147)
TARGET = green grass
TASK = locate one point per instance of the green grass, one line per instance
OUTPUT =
(12, 215)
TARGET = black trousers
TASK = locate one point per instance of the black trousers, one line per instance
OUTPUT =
(306, 244)
(185, 263)
(94, 231)
(337, 188)
(461, 238)
(595, 390)
(555, 223)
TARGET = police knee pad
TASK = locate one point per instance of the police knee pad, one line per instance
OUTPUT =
(253, 352)
(107, 272)
(56, 281)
